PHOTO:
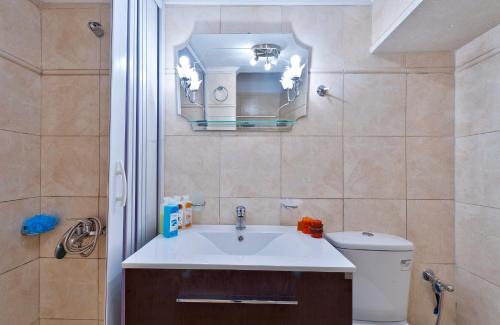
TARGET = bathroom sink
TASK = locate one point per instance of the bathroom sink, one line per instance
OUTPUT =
(241, 243)
(278, 248)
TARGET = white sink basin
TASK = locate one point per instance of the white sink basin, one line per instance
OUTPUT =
(241, 243)
(278, 248)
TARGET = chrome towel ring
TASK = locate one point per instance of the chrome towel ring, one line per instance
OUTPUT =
(221, 94)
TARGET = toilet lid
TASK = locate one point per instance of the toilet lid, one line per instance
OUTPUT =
(369, 241)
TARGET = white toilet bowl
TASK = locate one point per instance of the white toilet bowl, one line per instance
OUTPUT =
(381, 283)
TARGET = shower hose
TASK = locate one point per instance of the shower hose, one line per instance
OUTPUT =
(81, 238)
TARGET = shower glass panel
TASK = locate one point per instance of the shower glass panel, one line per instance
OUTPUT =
(133, 161)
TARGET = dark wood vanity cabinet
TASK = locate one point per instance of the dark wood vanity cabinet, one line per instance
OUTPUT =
(229, 297)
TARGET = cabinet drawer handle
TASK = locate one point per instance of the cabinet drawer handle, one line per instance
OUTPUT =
(237, 301)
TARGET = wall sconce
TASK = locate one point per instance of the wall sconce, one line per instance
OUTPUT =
(266, 51)
(292, 78)
(190, 80)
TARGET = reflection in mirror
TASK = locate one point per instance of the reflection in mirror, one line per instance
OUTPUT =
(242, 81)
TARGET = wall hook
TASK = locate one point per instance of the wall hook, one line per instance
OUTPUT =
(322, 90)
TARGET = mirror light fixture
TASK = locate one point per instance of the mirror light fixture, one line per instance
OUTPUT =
(292, 78)
(189, 78)
(268, 52)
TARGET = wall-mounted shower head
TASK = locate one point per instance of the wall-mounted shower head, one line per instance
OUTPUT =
(96, 28)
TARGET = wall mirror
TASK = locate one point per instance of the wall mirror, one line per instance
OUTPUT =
(242, 81)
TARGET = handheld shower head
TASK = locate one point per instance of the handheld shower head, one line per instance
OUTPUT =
(96, 28)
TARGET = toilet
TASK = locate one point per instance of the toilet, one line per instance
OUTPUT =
(381, 283)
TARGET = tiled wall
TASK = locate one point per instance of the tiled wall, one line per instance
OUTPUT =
(477, 152)
(74, 149)
(376, 154)
(20, 94)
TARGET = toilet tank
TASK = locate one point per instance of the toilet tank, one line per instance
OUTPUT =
(381, 283)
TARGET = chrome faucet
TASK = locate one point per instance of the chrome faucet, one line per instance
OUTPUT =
(240, 217)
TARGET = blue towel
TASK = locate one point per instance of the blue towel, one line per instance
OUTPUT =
(38, 224)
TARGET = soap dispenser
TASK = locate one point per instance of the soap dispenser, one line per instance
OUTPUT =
(171, 218)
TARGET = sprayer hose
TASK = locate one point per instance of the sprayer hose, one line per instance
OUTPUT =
(76, 241)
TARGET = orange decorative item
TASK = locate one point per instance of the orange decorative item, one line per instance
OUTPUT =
(299, 225)
(306, 223)
(316, 229)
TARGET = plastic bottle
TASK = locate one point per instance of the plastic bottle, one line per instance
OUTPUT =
(171, 219)
(188, 212)
(161, 222)
(181, 211)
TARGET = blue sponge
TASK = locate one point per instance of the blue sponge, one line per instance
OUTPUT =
(38, 224)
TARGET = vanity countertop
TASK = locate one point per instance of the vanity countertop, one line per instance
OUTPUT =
(222, 247)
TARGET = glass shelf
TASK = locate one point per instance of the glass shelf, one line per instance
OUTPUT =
(221, 125)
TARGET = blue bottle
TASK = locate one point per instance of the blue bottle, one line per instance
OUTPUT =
(171, 219)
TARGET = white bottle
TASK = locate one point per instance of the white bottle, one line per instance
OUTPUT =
(181, 211)
(188, 211)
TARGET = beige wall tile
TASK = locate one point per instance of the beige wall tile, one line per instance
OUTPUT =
(103, 165)
(374, 104)
(374, 168)
(105, 14)
(20, 166)
(20, 30)
(384, 216)
(70, 166)
(209, 214)
(422, 299)
(259, 211)
(103, 217)
(311, 167)
(68, 288)
(357, 41)
(14, 248)
(20, 294)
(477, 231)
(70, 105)
(67, 322)
(102, 289)
(431, 229)
(477, 170)
(183, 21)
(309, 25)
(478, 98)
(430, 60)
(479, 46)
(104, 103)
(71, 47)
(430, 105)
(250, 19)
(430, 168)
(478, 301)
(250, 166)
(19, 98)
(324, 114)
(192, 165)
(67, 209)
(330, 211)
